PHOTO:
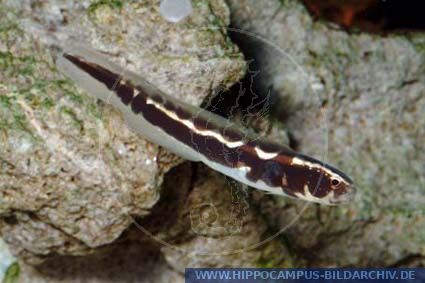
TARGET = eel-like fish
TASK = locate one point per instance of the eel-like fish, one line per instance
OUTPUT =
(199, 135)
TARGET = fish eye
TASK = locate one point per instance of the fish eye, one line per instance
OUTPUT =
(335, 182)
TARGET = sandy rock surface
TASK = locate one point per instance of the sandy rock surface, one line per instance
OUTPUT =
(72, 204)
(72, 175)
(358, 101)
(213, 224)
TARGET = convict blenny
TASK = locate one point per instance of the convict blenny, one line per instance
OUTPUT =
(199, 135)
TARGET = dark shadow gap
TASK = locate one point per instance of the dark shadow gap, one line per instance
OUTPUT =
(371, 15)
(252, 95)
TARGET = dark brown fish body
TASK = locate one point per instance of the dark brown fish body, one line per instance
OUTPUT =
(199, 135)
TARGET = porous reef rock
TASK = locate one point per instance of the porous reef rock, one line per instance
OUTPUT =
(204, 221)
(211, 223)
(72, 175)
(353, 99)
(356, 100)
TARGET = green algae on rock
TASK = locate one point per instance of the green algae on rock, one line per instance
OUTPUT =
(67, 169)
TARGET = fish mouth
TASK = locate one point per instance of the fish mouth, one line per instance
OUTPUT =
(347, 197)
